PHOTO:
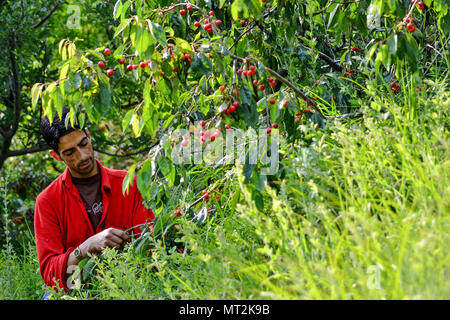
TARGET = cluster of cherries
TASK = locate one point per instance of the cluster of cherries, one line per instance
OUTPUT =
(395, 87)
(208, 25)
(410, 21)
(122, 60)
(102, 64)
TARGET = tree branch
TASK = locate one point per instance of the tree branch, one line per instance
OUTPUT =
(128, 154)
(131, 104)
(16, 85)
(40, 23)
(25, 151)
(8, 135)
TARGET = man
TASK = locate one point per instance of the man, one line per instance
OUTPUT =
(83, 210)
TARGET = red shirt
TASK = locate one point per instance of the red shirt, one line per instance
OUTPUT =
(61, 222)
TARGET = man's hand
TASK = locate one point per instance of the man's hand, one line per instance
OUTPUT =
(110, 237)
(107, 238)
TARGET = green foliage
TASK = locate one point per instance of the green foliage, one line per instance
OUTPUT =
(359, 214)
(353, 208)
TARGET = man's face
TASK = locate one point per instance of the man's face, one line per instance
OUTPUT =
(75, 149)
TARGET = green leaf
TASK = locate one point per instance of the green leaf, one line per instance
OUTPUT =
(127, 120)
(143, 40)
(151, 119)
(105, 98)
(167, 169)
(201, 66)
(392, 44)
(135, 125)
(238, 6)
(64, 69)
(128, 179)
(144, 176)
(184, 46)
(88, 270)
(157, 32)
(117, 9)
(374, 15)
(124, 10)
(35, 94)
(261, 104)
(258, 198)
(58, 101)
(122, 26)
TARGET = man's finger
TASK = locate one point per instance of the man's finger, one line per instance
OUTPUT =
(112, 240)
(122, 234)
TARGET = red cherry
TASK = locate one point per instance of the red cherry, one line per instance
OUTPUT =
(272, 101)
(129, 67)
(197, 24)
(261, 87)
(275, 125)
(175, 69)
(212, 138)
(411, 27)
(208, 26)
(184, 143)
(269, 130)
(242, 22)
(143, 64)
(232, 108)
(211, 13)
(227, 126)
(218, 22)
(270, 79)
(202, 123)
(122, 60)
(255, 82)
(355, 49)
(110, 72)
(101, 64)
(107, 51)
(240, 71)
(236, 104)
(209, 30)
(189, 7)
(182, 12)
(420, 5)
(135, 66)
(222, 88)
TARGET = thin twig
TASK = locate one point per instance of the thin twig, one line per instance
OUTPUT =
(40, 23)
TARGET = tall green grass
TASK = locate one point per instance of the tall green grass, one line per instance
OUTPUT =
(19, 268)
(362, 212)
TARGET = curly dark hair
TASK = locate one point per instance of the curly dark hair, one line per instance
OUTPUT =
(52, 132)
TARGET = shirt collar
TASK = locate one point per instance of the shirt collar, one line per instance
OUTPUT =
(106, 183)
